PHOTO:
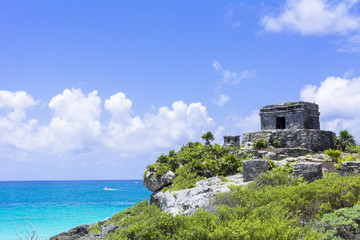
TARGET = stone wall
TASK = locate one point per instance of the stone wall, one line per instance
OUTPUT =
(296, 115)
(350, 167)
(253, 168)
(231, 140)
(309, 171)
(314, 139)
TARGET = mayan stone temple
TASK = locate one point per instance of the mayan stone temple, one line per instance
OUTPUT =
(292, 125)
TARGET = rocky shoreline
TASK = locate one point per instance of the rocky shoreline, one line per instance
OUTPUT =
(188, 201)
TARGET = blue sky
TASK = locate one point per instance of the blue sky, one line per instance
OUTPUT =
(99, 89)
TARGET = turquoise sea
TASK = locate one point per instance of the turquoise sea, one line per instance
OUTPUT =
(57, 206)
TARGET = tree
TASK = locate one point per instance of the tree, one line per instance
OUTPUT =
(344, 139)
(208, 136)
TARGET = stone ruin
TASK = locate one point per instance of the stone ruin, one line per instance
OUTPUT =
(232, 140)
(309, 171)
(350, 167)
(292, 125)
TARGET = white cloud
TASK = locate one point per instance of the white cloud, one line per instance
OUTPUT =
(237, 125)
(232, 77)
(75, 125)
(317, 17)
(163, 129)
(222, 99)
(17, 103)
(338, 100)
(350, 44)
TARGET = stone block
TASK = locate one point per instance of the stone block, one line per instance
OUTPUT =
(314, 139)
(309, 171)
(350, 167)
(253, 168)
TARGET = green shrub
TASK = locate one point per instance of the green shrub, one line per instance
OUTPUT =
(346, 159)
(185, 179)
(275, 142)
(278, 176)
(200, 161)
(271, 164)
(333, 154)
(95, 228)
(260, 143)
(309, 200)
(353, 148)
(342, 223)
(264, 222)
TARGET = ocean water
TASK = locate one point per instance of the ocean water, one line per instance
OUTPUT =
(56, 206)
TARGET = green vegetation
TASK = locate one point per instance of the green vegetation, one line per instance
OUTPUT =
(276, 206)
(275, 142)
(96, 228)
(208, 136)
(346, 159)
(342, 224)
(353, 149)
(260, 143)
(333, 154)
(195, 161)
(344, 140)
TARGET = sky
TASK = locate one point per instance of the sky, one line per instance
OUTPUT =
(99, 89)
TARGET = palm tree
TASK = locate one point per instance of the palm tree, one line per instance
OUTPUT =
(208, 136)
(344, 139)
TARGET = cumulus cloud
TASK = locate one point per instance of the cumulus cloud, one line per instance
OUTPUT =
(75, 125)
(236, 125)
(317, 17)
(17, 103)
(163, 129)
(338, 100)
(232, 77)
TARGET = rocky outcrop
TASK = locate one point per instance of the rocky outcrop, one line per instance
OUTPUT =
(82, 232)
(154, 181)
(188, 201)
(76, 233)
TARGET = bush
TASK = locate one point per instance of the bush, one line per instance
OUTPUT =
(341, 224)
(346, 159)
(333, 154)
(309, 200)
(264, 222)
(278, 176)
(260, 143)
(353, 149)
(195, 161)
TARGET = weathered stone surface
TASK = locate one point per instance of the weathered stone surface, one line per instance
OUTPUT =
(350, 167)
(106, 229)
(232, 140)
(187, 201)
(253, 168)
(314, 139)
(290, 115)
(274, 154)
(75, 233)
(154, 182)
(309, 171)
(82, 232)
